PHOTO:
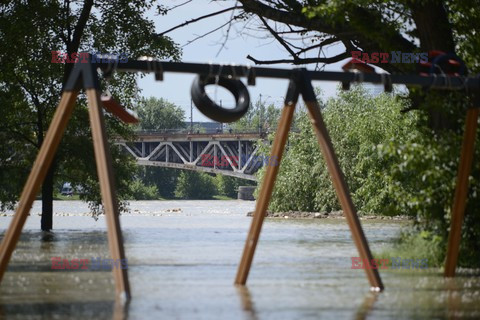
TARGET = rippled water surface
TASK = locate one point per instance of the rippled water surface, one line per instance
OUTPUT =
(182, 264)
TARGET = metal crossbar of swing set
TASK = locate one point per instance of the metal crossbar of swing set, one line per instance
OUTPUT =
(435, 81)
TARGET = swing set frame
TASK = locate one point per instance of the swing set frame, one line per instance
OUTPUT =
(84, 76)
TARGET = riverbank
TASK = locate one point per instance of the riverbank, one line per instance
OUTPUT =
(327, 215)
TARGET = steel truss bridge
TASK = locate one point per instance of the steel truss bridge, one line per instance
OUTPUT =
(230, 154)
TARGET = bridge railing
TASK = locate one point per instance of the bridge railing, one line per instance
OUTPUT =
(199, 131)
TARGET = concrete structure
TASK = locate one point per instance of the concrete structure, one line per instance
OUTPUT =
(246, 192)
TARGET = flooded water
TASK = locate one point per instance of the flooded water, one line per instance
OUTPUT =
(182, 265)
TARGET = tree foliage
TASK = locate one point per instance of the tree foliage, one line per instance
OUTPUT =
(163, 179)
(260, 117)
(305, 29)
(228, 186)
(140, 191)
(31, 86)
(418, 167)
(357, 123)
(194, 185)
(159, 114)
(393, 166)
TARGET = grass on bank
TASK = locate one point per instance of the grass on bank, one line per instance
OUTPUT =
(419, 245)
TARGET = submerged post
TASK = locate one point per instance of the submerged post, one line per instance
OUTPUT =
(268, 183)
(461, 191)
(339, 182)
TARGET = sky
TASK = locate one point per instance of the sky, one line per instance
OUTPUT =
(176, 87)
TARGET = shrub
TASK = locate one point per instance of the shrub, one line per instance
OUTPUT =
(194, 185)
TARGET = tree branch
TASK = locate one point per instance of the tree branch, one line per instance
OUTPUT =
(206, 34)
(339, 30)
(199, 18)
(80, 27)
(279, 39)
(224, 43)
(22, 136)
(325, 42)
(74, 44)
(178, 5)
(303, 61)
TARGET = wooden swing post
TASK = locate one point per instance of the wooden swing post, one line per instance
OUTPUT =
(301, 83)
(83, 76)
(461, 191)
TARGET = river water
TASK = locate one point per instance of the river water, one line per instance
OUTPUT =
(182, 264)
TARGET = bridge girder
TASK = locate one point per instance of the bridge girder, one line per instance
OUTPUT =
(234, 155)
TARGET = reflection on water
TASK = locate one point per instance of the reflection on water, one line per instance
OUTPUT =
(247, 303)
(367, 306)
(120, 309)
(182, 266)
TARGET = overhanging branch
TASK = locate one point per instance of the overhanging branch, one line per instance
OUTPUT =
(299, 61)
(279, 39)
(198, 19)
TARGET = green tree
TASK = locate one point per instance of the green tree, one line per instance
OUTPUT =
(392, 166)
(31, 86)
(368, 26)
(386, 26)
(194, 185)
(140, 191)
(260, 117)
(357, 124)
(164, 179)
(228, 186)
(159, 114)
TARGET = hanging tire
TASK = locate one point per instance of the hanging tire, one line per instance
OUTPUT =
(210, 108)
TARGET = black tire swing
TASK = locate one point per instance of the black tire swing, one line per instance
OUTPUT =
(209, 108)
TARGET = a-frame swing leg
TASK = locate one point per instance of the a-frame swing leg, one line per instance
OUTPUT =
(37, 175)
(339, 183)
(461, 191)
(268, 183)
(107, 183)
(83, 74)
(302, 83)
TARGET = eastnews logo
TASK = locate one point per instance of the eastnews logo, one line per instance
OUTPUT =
(392, 57)
(397, 263)
(93, 264)
(63, 57)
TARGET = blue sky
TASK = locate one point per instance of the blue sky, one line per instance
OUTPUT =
(176, 87)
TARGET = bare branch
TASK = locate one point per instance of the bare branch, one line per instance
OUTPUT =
(178, 5)
(232, 18)
(199, 18)
(205, 34)
(325, 42)
(279, 39)
(293, 31)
